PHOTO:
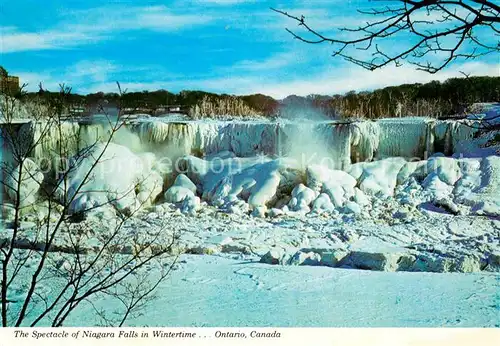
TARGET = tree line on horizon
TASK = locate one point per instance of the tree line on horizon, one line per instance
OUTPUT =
(451, 97)
(434, 99)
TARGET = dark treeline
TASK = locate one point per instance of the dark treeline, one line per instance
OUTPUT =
(435, 99)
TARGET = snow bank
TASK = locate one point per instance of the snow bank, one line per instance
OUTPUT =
(446, 182)
(112, 175)
(302, 197)
(257, 184)
(416, 169)
(337, 185)
(183, 191)
(245, 184)
(378, 176)
(259, 181)
(318, 176)
(482, 191)
(445, 168)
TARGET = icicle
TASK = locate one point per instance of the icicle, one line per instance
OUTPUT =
(365, 138)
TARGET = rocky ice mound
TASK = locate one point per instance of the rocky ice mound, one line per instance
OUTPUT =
(242, 183)
(309, 210)
(101, 175)
(229, 179)
(267, 184)
(480, 186)
(378, 176)
(183, 192)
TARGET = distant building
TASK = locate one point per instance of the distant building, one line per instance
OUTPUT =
(9, 84)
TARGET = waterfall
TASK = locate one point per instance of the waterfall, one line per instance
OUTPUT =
(365, 140)
(332, 144)
(405, 137)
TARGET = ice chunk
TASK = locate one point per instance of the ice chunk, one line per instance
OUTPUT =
(258, 181)
(437, 188)
(446, 168)
(380, 176)
(417, 169)
(302, 197)
(360, 197)
(352, 207)
(183, 181)
(107, 174)
(323, 204)
(335, 193)
(177, 194)
(318, 175)
(190, 204)
(259, 211)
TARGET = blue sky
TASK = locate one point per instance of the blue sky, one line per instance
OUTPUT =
(231, 46)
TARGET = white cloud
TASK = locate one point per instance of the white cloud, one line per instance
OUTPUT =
(87, 26)
(93, 76)
(339, 80)
(81, 73)
(87, 76)
(92, 71)
(108, 87)
(14, 41)
(356, 78)
(160, 18)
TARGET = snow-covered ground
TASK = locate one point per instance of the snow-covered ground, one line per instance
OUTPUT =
(208, 291)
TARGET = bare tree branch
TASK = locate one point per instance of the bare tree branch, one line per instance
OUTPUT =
(449, 29)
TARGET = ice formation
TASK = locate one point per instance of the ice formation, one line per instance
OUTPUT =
(314, 193)
(331, 144)
(49, 141)
(323, 204)
(25, 179)
(389, 171)
(378, 176)
(408, 137)
(258, 181)
(112, 174)
(365, 140)
(302, 197)
(182, 189)
(480, 185)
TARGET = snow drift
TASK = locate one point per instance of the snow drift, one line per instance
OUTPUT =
(112, 174)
